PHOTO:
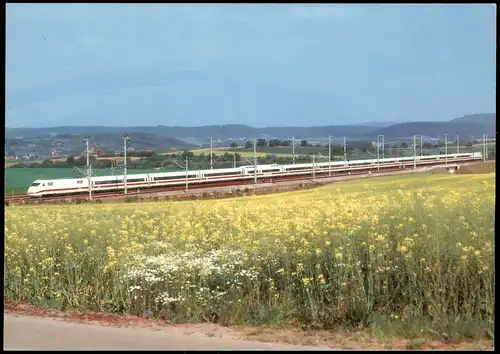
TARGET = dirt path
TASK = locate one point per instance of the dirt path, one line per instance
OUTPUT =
(29, 327)
(28, 332)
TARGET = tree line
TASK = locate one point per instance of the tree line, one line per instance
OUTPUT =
(152, 160)
(304, 143)
(163, 161)
(270, 143)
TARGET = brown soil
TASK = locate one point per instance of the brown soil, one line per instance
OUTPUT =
(345, 340)
(119, 158)
(468, 169)
(480, 168)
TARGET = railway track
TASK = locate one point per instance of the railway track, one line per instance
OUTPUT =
(319, 175)
(15, 197)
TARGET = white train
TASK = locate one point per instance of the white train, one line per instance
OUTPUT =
(40, 188)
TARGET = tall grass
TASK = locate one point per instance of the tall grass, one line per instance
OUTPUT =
(402, 260)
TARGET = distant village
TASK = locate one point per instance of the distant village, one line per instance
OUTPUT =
(59, 147)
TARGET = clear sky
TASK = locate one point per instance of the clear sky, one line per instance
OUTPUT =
(254, 64)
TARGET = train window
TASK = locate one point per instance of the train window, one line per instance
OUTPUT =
(173, 177)
(210, 174)
(135, 180)
(166, 178)
(104, 182)
(50, 183)
(36, 184)
(274, 170)
(79, 182)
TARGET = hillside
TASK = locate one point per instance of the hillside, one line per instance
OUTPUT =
(482, 118)
(468, 127)
(69, 144)
(203, 132)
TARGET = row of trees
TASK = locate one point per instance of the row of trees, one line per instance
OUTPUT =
(270, 143)
(151, 159)
(304, 143)
(167, 161)
(427, 145)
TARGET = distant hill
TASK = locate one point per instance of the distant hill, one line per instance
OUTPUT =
(468, 127)
(376, 124)
(353, 131)
(70, 144)
(482, 118)
(200, 133)
(142, 141)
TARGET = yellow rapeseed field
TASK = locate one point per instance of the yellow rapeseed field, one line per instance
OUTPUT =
(416, 249)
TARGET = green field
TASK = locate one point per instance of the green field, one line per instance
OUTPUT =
(222, 152)
(263, 151)
(17, 180)
(307, 151)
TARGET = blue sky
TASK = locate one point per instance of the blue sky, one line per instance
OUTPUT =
(254, 64)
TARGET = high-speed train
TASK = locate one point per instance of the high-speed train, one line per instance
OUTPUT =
(40, 188)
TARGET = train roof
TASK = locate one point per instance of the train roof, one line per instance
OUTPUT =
(220, 170)
(175, 173)
(300, 165)
(363, 161)
(135, 175)
(333, 163)
(58, 179)
(274, 165)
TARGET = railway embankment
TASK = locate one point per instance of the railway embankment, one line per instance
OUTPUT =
(230, 191)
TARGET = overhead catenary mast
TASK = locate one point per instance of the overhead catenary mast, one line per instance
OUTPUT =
(414, 152)
(379, 138)
(314, 167)
(87, 139)
(446, 148)
(383, 146)
(255, 161)
(483, 147)
(211, 155)
(329, 156)
(187, 177)
(345, 149)
(125, 140)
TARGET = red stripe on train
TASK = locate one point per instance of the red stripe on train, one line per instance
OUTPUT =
(208, 178)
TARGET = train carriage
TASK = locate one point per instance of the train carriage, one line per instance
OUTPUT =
(58, 186)
(264, 173)
(171, 178)
(111, 183)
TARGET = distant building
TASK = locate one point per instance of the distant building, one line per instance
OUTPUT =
(98, 152)
(29, 157)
